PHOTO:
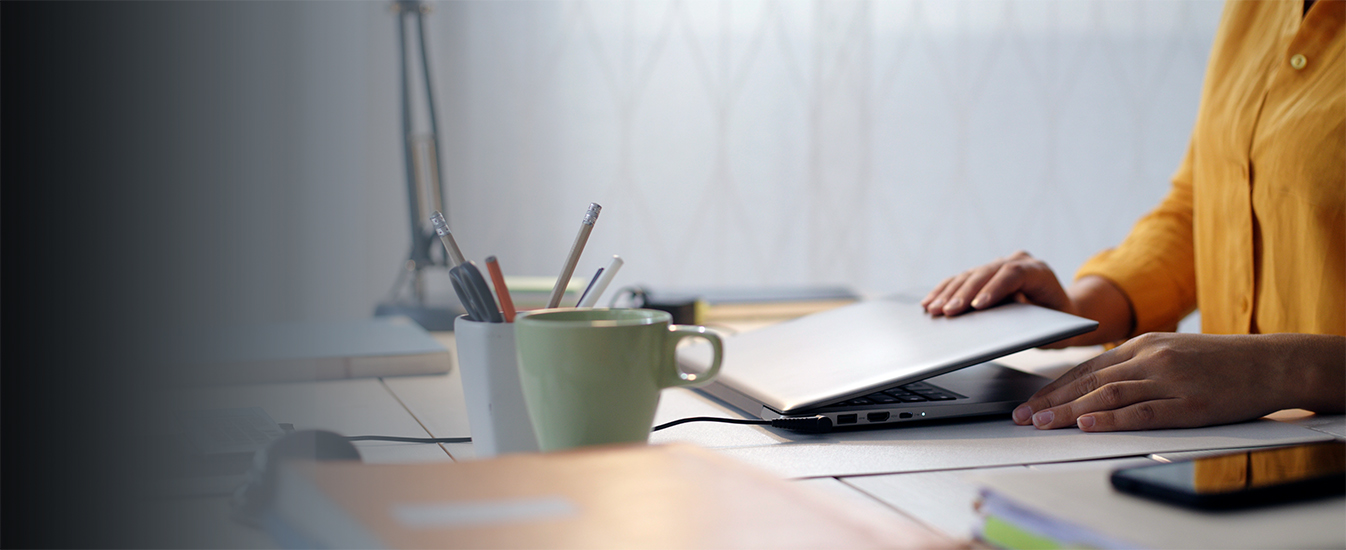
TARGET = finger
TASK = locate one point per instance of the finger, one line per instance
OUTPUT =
(961, 298)
(937, 306)
(1146, 415)
(1028, 280)
(1082, 370)
(1060, 390)
(1007, 280)
(939, 288)
(1108, 397)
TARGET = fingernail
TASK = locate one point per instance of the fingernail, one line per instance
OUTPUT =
(954, 303)
(1022, 414)
(1085, 422)
(980, 301)
(938, 303)
(1043, 418)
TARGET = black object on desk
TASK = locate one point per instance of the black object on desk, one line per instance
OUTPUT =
(1244, 479)
(425, 185)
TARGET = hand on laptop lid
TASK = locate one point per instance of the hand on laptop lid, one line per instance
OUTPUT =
(1024, 278)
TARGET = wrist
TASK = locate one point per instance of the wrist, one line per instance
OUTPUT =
(1094, 297)
(1305, 371)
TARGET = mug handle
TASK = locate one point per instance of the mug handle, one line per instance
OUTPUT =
(687, 379)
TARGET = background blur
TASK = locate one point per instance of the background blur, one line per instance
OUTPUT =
(883, 145)
(176, 164)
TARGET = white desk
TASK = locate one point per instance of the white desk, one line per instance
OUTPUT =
(910, 473)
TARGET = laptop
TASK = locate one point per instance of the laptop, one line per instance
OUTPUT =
(883, 361)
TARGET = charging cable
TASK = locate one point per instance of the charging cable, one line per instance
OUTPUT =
(409, 439)
(807, 424)
(816, 424)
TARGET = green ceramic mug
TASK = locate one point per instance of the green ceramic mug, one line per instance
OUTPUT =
(593, 376)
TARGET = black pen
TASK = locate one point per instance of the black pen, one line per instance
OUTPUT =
(592, 282)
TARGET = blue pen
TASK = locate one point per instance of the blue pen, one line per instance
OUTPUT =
(592, 281)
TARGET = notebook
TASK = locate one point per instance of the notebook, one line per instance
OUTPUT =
(645, 496)
(305, 351)
(884, 361)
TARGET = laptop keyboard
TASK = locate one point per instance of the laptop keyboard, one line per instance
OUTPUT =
(915, 392)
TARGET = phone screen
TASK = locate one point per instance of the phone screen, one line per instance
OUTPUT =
(1250, 478)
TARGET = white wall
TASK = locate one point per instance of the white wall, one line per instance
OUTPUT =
(883, 145)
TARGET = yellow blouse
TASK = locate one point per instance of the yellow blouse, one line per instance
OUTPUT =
(1253, 231)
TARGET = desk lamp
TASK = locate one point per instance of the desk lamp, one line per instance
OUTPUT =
(425, 188)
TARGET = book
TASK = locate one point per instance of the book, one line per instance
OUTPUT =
(532, 292)
(377, 346)
(1080, 509)
(663, 496)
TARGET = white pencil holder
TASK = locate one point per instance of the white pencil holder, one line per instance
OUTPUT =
(496, 411)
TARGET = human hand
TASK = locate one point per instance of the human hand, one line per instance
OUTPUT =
(1169, 380)
(1018, 275)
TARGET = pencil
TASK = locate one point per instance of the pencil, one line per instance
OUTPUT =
(586, 226)
(445, 236)
(501, 291)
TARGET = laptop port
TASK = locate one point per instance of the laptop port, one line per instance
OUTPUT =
(904, 416)
(877, 417)
(847, 418)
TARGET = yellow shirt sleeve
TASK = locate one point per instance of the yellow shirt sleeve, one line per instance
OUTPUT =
(1155, 265)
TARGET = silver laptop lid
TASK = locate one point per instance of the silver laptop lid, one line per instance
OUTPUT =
(868, 346)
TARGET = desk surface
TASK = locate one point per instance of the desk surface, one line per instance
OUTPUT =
(932, 490)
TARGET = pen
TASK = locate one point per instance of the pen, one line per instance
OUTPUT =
(591, 297)
(498, 278)
(445, 236)
(597, 274)
(586, 226)
(474, 294)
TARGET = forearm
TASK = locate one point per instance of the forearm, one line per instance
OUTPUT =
(1094, 297)
(1310, 370)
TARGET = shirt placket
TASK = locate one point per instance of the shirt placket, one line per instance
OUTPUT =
(1302, 44)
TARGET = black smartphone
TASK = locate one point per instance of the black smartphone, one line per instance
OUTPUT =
(1243, 479)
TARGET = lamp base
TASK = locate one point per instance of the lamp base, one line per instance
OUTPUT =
(431, 318)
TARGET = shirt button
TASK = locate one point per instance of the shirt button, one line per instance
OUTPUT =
(1298, 61)
(1243, 305)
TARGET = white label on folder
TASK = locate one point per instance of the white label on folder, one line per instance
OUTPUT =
(474, 513)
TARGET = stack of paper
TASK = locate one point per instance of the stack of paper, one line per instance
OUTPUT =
(533, 292)
(732, 304)
(1081, 509)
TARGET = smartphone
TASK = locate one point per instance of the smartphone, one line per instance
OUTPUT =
(1243, 479)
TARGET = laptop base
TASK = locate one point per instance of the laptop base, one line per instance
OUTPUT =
(989, 389)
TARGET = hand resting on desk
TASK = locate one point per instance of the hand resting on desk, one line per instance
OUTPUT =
(1171, 380)
(1156, 380)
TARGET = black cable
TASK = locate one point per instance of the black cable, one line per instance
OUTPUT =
(806, 424)
(409, 439)
(710, 419)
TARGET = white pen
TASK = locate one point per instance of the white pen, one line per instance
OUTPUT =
(602, 284)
